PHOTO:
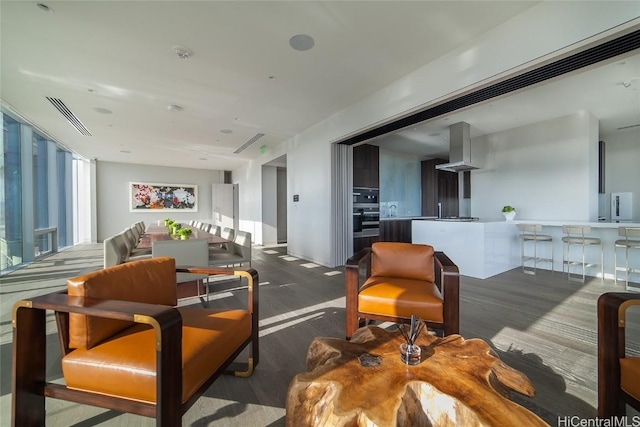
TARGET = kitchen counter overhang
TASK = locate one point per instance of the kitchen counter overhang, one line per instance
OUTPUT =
(482, 249)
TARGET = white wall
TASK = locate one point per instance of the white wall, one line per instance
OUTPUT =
(269, 204)
(309, 177)
(112, 190)
(526, 39)
(622, 174)
(543, 170)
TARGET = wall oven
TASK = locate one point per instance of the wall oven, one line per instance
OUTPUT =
(366, 212)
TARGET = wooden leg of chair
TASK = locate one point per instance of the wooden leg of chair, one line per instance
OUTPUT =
(610, 343)
(28, 372)
(168, 378)
(352, 279)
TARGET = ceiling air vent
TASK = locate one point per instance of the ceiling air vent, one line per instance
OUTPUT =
(253, 139)
(75, 122)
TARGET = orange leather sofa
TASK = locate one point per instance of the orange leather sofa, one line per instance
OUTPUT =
(401, 279)
(618, 374)
(125, 346)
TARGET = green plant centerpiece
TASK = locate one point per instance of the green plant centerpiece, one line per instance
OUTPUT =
(175, 226)
(184, 233)
(509, 212)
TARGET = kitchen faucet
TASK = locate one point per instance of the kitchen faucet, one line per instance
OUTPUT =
(439, 210)
(392, 210)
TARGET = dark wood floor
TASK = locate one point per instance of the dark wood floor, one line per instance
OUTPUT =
(543, 325)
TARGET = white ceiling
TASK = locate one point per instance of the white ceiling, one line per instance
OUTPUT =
(610, 91)
(243, 76)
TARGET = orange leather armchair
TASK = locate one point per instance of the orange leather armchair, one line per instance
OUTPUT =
(402, 279)
(126, 346)
(618, 375)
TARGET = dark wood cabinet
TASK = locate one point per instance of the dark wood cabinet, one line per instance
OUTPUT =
(438, 187)
(366, 166)
(466, 191)
(360, 243)
(448, 193)
(429, 175)
(366, 174)
(395, 230)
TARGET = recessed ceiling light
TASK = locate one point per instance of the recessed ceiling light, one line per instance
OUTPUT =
(226, 131)
(44, 7)
(125, 151)
(182, 52)
(174, 108)
(301, 42)
(102, 110)
(434, 134)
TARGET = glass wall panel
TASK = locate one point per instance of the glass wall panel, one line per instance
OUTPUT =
(40, 193)
(62, 172)
(10, 195)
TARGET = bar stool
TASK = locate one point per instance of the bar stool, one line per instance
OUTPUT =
(531, 233)
(627, 244)
(577, 235)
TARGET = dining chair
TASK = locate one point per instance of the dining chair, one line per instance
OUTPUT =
(238, 252)
(188, 253)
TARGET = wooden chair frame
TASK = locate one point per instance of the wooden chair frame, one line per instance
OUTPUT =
(30, 388)
(612, 308)
(447, 279)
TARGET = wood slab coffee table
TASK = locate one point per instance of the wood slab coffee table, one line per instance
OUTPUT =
(458, 382)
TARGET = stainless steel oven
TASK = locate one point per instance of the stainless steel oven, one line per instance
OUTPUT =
(366, 212)
(365, 196)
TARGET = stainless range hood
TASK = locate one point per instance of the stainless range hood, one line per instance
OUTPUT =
(459, 149)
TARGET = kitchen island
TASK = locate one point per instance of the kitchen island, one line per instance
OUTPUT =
(482, 249)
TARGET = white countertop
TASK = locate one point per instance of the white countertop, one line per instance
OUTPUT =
(398, 218)
(595, 224)
(544, 223)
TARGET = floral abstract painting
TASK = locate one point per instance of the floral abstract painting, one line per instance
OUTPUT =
(145, 197)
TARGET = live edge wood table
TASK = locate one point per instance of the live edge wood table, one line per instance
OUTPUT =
(457, 383)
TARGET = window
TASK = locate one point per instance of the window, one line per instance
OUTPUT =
(10, 195)
(65, 217)
(40, 193)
